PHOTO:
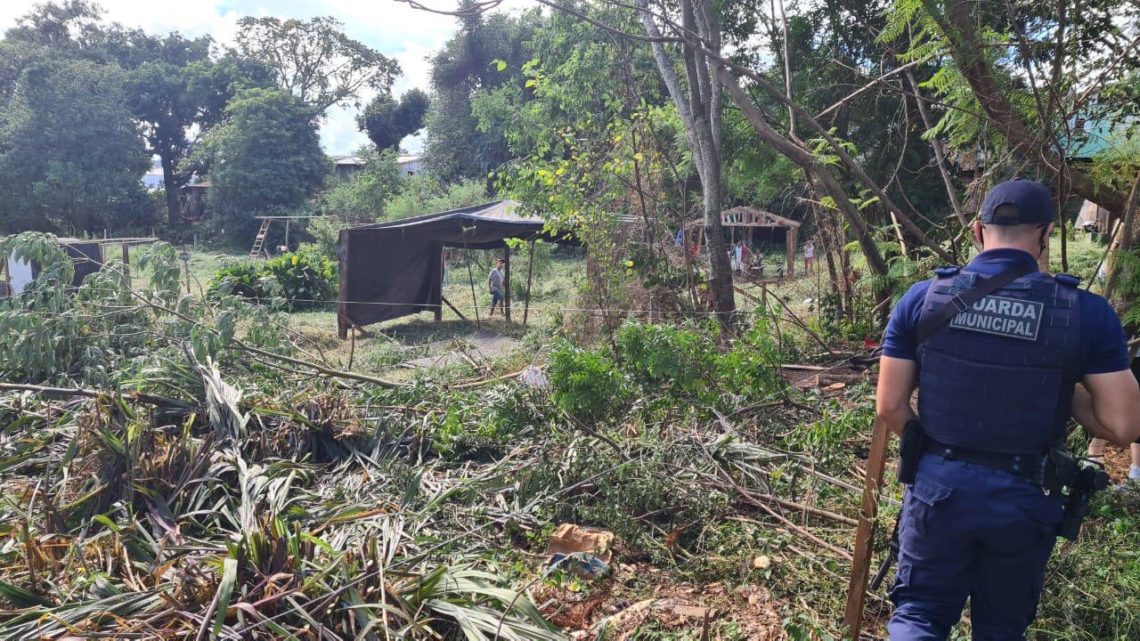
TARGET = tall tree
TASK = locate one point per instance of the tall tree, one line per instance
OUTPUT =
(314, 60)
(486, 53)
(159, 78)
(175, 87)
(387, 121)
(71, 25)
(71, 158)
(265, 157)
(699, 102)
(1038, 134)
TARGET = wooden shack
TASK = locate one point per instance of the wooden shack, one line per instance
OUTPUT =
(742, 222)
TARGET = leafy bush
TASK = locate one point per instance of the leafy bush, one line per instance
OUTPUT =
(681, 360)
(326, 235)
(688, 364)
(673, 366)
(586, 383)
(426, 195)
(305, 280)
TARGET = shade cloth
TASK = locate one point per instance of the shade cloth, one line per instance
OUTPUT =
(394, 269)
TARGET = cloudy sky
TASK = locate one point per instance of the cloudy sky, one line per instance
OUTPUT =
(391, 27)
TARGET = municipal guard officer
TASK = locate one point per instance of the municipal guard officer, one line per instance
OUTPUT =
(1000, 370)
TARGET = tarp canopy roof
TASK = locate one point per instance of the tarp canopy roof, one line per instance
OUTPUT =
(393, 269)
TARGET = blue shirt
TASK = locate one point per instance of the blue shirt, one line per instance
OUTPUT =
(1103, 348)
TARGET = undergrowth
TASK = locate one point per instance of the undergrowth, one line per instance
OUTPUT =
(193, 476)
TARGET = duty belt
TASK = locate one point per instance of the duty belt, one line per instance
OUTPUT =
(1027, 466)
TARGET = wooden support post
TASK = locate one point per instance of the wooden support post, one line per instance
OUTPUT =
(790, 237)
(507, 284)
(471, 278)
(342, 323)
(865, 533)
(127, 263)
(453, 308)
(439, 308)
(529, 278)
(287, 221)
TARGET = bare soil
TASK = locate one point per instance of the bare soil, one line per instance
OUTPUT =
(638, 593)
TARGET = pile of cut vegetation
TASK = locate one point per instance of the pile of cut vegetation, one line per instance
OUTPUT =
(179, 468)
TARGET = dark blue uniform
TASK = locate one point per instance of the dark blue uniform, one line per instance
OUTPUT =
(996, 379)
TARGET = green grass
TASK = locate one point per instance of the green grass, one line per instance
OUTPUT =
(1085, 256)
(411, 337)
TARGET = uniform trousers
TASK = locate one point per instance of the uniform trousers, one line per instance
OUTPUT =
(968, 530)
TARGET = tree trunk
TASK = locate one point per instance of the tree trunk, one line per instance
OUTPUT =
(828, 247)
(1123, 241)
(172, 211)
(720, 277)
(699, 109)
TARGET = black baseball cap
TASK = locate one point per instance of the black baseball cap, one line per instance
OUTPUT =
(1018, 202)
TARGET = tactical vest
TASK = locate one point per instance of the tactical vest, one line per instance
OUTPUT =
(999, 377)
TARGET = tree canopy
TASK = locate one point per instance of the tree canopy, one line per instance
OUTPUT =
(314, 60)
(265, 157)
(387, 121)
(487, 52)
(70, 156)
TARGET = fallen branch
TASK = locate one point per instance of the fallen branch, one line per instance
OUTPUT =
(809, 368)
(478, 383)
(71, 392)
(761, 502)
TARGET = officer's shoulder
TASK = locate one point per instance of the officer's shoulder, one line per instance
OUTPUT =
(914, 296)
(946, 271)
(1093, 302)
(1068, 280)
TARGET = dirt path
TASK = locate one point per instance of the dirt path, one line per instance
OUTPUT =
(483, 345)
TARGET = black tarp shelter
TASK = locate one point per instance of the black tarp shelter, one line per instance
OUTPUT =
(394, 269)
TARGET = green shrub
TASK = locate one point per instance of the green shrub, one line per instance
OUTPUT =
(667, 367)
(305, 280)
(687, 363)
(239, 278)
(586, 383)
(679, 360)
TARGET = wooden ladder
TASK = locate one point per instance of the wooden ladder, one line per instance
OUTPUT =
(259, 242)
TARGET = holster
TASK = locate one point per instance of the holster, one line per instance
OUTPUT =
(1077, 480)
(911, 447)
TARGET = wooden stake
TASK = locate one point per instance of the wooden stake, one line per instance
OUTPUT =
(507, 284)
(439, 308)
(453, 308)
(529, 278)
(352, 349)
(470, 277)
(127, 263)
(865, 533)
(790, 246)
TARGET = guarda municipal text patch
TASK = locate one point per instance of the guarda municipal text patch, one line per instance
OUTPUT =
(1002, 316)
